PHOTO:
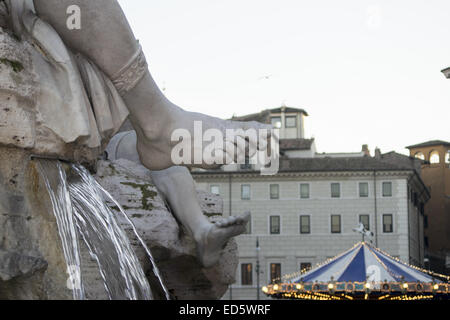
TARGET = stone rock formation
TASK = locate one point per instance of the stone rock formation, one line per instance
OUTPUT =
(32, 264)
(174, 250)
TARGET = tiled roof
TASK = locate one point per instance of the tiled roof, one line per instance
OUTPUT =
(429, 144)
(402, 160)
(388, 162)
(341, 164)
(296, 144)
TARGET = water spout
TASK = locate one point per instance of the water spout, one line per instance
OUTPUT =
(80, 209)
(56, 183)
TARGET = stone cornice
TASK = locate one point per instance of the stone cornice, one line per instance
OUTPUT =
(313, 174)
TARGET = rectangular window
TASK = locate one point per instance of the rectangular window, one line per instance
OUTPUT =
(291, 122)
(363, 189)
(387, 223)
(387, 189)
(274, 191)
(365, 220)
(335, 224)
(304, 190)
(245, 192)
(335, 190)
(215, 190)
(305, 266)
(305, 226)
(274, 224)
(246, 274)
(276, 122)
(275, 272)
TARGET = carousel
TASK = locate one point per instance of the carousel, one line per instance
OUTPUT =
(363, 272)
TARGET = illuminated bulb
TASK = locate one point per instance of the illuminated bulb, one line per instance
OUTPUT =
(405, 286)
(298, 286)
(367, 285)
(275, 287)
(330, 286)
(435, 287)
(265, 289)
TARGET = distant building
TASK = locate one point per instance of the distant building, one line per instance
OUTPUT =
(436, 176)
(305, 213)
(290, 121)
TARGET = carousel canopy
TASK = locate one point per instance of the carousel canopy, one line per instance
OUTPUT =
(363, 263)
(362, 272)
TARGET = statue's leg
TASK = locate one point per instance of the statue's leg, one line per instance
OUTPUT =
(107, 39)
(178, 188)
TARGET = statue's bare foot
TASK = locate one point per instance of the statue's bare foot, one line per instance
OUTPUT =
(214, 238)
(155, 138)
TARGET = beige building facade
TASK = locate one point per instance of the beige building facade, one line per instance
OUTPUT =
(436, 176)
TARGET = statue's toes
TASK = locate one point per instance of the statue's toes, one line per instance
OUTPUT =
(241, 220)
(245, 217)
(231, 220)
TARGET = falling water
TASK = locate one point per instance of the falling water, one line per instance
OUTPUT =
(81, 202)
(147, 250)
(106, 240)
(55, 181)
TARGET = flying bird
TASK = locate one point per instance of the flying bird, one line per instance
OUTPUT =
(266, 77)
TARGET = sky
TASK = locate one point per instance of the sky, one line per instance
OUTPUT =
(367, 72)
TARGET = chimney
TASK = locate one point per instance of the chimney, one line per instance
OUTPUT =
(377, 153)
(365, 150)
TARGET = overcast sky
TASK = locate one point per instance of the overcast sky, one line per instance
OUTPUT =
(367, 72)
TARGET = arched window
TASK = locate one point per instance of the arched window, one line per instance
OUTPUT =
(447, 157)
(419, 155)
(434, 156)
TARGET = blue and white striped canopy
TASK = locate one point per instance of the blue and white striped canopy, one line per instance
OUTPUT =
(363, 263)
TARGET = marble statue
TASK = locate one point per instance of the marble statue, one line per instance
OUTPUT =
(177, 187)
(92, 79)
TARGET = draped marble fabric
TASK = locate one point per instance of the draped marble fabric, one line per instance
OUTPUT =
(76, 100)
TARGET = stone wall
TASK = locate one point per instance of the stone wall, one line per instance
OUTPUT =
(32, 264)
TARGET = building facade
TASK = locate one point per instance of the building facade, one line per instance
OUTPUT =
(306, 213)
(436, 176)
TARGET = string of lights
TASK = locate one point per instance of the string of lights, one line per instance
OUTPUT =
(393, 274)
(341, 270)
(429, 272)
(297, 274)
(365, 291)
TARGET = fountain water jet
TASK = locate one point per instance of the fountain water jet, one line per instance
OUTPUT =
(78, 200)
(56, 183)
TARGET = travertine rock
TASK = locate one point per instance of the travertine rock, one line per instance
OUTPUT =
(32, 264)
(130, 184)
(31, 102)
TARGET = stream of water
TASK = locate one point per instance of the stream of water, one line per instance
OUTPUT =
(81, 211)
